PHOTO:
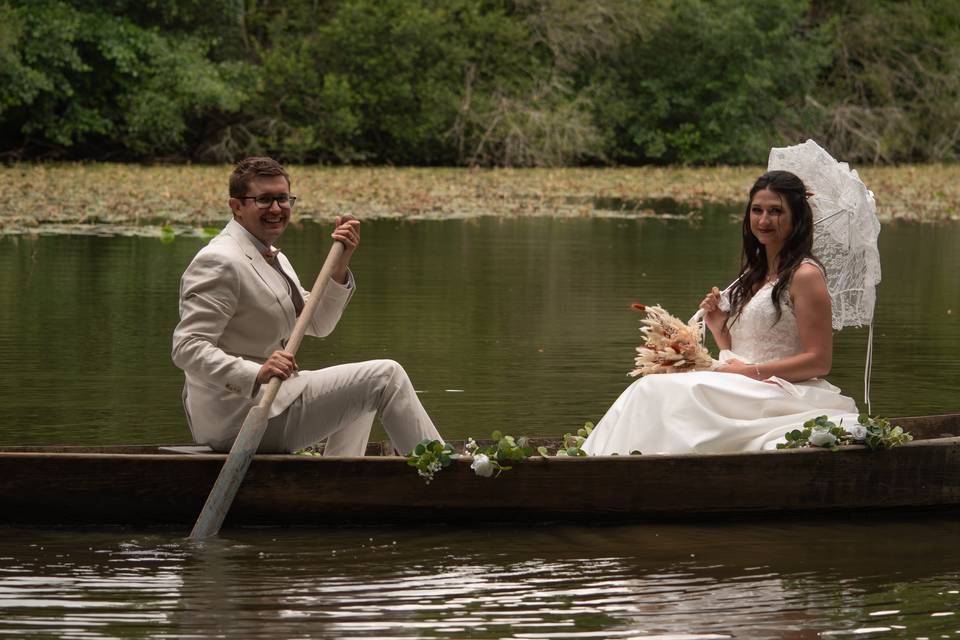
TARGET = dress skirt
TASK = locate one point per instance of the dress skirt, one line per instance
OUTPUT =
(712, 412)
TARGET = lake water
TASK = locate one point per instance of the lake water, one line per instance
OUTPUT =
(522, 325)
(793, 579)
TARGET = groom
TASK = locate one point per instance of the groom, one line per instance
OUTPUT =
(239, 301)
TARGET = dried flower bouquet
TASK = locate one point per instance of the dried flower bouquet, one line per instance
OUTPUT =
(670, 345)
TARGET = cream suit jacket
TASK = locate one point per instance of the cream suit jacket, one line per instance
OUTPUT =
(235, 310)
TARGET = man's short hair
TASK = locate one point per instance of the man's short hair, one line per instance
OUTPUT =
(248, 169)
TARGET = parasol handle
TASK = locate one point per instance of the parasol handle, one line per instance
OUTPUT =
(698, 316)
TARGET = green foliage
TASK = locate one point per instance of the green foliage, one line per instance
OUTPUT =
(387, 80)
(819, 432)
(79, 76)
(429, 457)
(711, 85)
(494, 459)
(572, 445)
(891, 91)
(882, 435)
(479, 82)
(308, 451)
(875, 433)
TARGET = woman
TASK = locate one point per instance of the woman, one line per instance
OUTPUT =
(773, 327)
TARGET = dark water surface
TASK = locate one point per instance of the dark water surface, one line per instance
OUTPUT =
(762, 580)
(521, 325)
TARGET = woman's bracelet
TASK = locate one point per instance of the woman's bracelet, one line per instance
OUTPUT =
(757, 367)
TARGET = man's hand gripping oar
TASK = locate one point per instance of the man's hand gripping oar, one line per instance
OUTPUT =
(251, 433)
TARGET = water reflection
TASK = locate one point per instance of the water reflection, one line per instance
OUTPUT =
(764, 580)
(527, 320)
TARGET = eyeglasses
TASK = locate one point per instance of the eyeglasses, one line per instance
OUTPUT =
(264, 201)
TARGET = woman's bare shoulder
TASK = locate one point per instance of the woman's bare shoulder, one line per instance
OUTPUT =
(808, 271)
(808, 279)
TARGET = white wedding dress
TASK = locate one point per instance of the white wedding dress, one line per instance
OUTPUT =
(712, 412)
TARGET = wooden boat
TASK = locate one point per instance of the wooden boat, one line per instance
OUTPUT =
(162, 485)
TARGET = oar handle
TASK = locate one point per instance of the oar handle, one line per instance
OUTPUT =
(300, 328)
(251, 432)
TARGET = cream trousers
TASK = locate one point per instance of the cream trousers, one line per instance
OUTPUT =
(339, 403)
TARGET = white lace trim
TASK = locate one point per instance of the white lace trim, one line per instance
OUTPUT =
(756, 334)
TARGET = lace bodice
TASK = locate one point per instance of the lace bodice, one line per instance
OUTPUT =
(755, 338)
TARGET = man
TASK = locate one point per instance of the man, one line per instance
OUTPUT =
(239, 301)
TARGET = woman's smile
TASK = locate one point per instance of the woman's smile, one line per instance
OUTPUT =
(770, 217)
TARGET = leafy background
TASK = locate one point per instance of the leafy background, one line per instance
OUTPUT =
(478, 82)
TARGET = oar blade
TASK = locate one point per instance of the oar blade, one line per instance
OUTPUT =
(231, 475)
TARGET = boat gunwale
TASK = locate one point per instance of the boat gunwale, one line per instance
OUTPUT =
(155, 452)
(39, 452)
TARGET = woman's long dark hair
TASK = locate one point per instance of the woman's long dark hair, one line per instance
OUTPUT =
(797, 247)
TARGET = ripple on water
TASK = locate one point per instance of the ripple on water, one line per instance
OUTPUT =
(758, 580)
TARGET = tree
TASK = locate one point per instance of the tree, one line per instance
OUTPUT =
(892, 92)
(716, 82)
(81, 78)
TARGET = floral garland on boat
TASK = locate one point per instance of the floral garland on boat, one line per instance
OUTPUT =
(490, 460)
(876, 433)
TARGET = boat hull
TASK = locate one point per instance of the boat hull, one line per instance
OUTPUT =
(129, 486)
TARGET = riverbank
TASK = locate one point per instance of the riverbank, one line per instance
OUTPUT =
(141, 199)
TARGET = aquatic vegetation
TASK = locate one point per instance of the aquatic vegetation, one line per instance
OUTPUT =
(124, 199)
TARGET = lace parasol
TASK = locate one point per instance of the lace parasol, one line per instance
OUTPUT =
(845, 229)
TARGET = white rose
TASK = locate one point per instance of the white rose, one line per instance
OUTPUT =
(482, 465)
(820, 437)
(858, 432)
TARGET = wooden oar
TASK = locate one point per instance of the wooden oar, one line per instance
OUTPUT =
(251, 433)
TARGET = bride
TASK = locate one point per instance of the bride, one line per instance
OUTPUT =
(773, 329)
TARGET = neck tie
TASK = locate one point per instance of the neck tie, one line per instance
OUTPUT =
(295, 296)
